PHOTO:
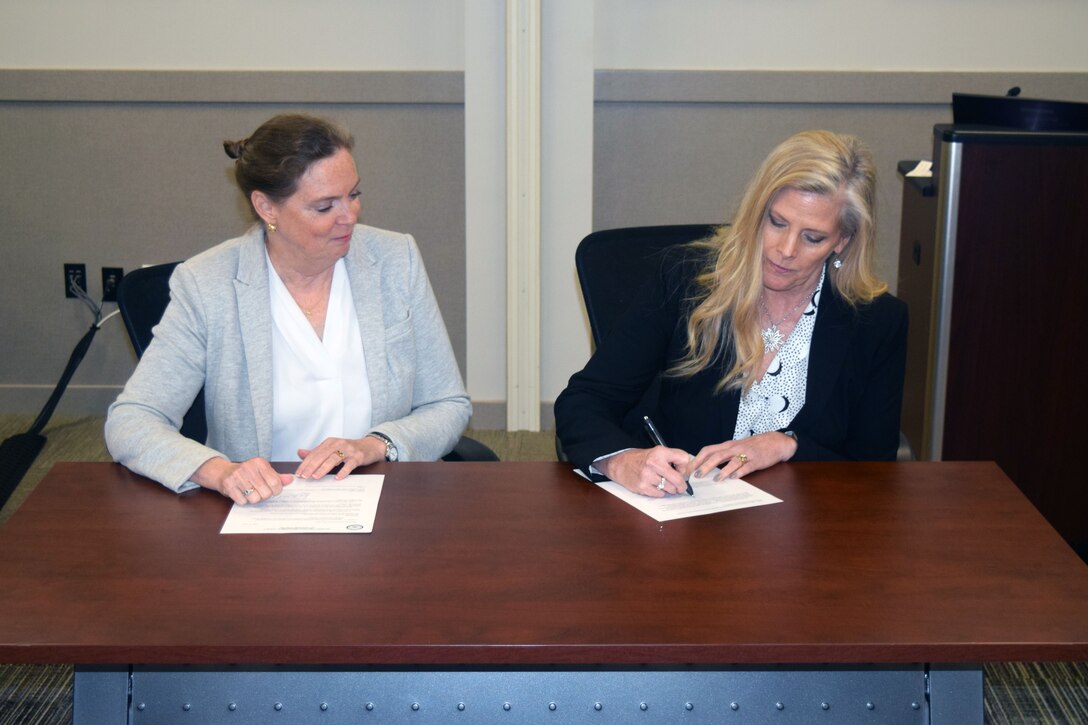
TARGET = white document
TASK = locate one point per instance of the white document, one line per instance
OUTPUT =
(306, 506)
(710, 498)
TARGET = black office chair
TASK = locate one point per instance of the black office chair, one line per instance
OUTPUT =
(612, 264)
(142, 298)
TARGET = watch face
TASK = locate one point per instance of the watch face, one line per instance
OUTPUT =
(390, 452)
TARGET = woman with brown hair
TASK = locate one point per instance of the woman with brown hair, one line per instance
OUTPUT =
(316, 339)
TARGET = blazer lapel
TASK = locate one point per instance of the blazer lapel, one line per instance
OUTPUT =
(830, 338)
(364, 275)
(255, 318)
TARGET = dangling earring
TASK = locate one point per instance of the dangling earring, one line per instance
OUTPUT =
(271, 227)
(837, 264)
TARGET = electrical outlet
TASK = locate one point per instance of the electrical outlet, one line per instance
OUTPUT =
(74, 274)
(111, 280)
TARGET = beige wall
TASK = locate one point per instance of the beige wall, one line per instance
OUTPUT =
(126, 168)
(842, 35)
(927, 40)
(236, 35)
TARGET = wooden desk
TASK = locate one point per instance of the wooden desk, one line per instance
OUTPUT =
(519, 584)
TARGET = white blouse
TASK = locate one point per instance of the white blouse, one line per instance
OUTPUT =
(772, 402)
(320, 387)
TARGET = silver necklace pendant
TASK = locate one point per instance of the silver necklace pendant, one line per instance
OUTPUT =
(772, 338)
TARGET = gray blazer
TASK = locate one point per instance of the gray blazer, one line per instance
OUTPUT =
(217, 333)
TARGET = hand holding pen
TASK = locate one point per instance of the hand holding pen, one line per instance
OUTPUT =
(656, 437)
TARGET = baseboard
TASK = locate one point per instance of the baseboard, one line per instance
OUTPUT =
(77, 399)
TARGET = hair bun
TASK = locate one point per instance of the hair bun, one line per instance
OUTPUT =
(235, 149)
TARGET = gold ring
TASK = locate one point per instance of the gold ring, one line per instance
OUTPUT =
(743, 458)
(340, 453)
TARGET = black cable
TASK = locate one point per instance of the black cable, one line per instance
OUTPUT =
(69, 370)
(18, 452)
(73, 360)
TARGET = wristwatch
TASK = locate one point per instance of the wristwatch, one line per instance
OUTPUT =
(390, 447)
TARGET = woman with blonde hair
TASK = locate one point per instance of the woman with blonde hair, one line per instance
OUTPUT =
(773, 340)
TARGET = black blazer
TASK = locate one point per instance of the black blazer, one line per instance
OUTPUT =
(853, 398)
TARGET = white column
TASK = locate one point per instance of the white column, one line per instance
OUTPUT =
(566, 186)
(523, 215)
(529, 199)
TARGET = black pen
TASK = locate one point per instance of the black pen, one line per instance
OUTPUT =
(652, 430)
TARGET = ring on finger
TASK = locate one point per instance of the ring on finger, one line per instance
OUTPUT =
(661, 484)
(340, 453)
(247, 491)
(743, 457)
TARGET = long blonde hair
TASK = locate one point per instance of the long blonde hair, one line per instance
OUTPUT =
(728, 289)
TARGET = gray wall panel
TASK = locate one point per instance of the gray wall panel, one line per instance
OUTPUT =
(688, 163)
(125, 183)
(674, 147)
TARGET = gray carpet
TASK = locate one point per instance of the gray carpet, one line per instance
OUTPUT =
(40, 694)
(1015, 693)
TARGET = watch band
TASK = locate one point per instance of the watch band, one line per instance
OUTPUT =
(391, 453)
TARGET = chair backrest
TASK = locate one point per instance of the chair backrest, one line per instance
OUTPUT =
(613, 263)
(142, 298)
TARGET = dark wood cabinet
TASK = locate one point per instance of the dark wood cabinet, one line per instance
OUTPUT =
(994, 266)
